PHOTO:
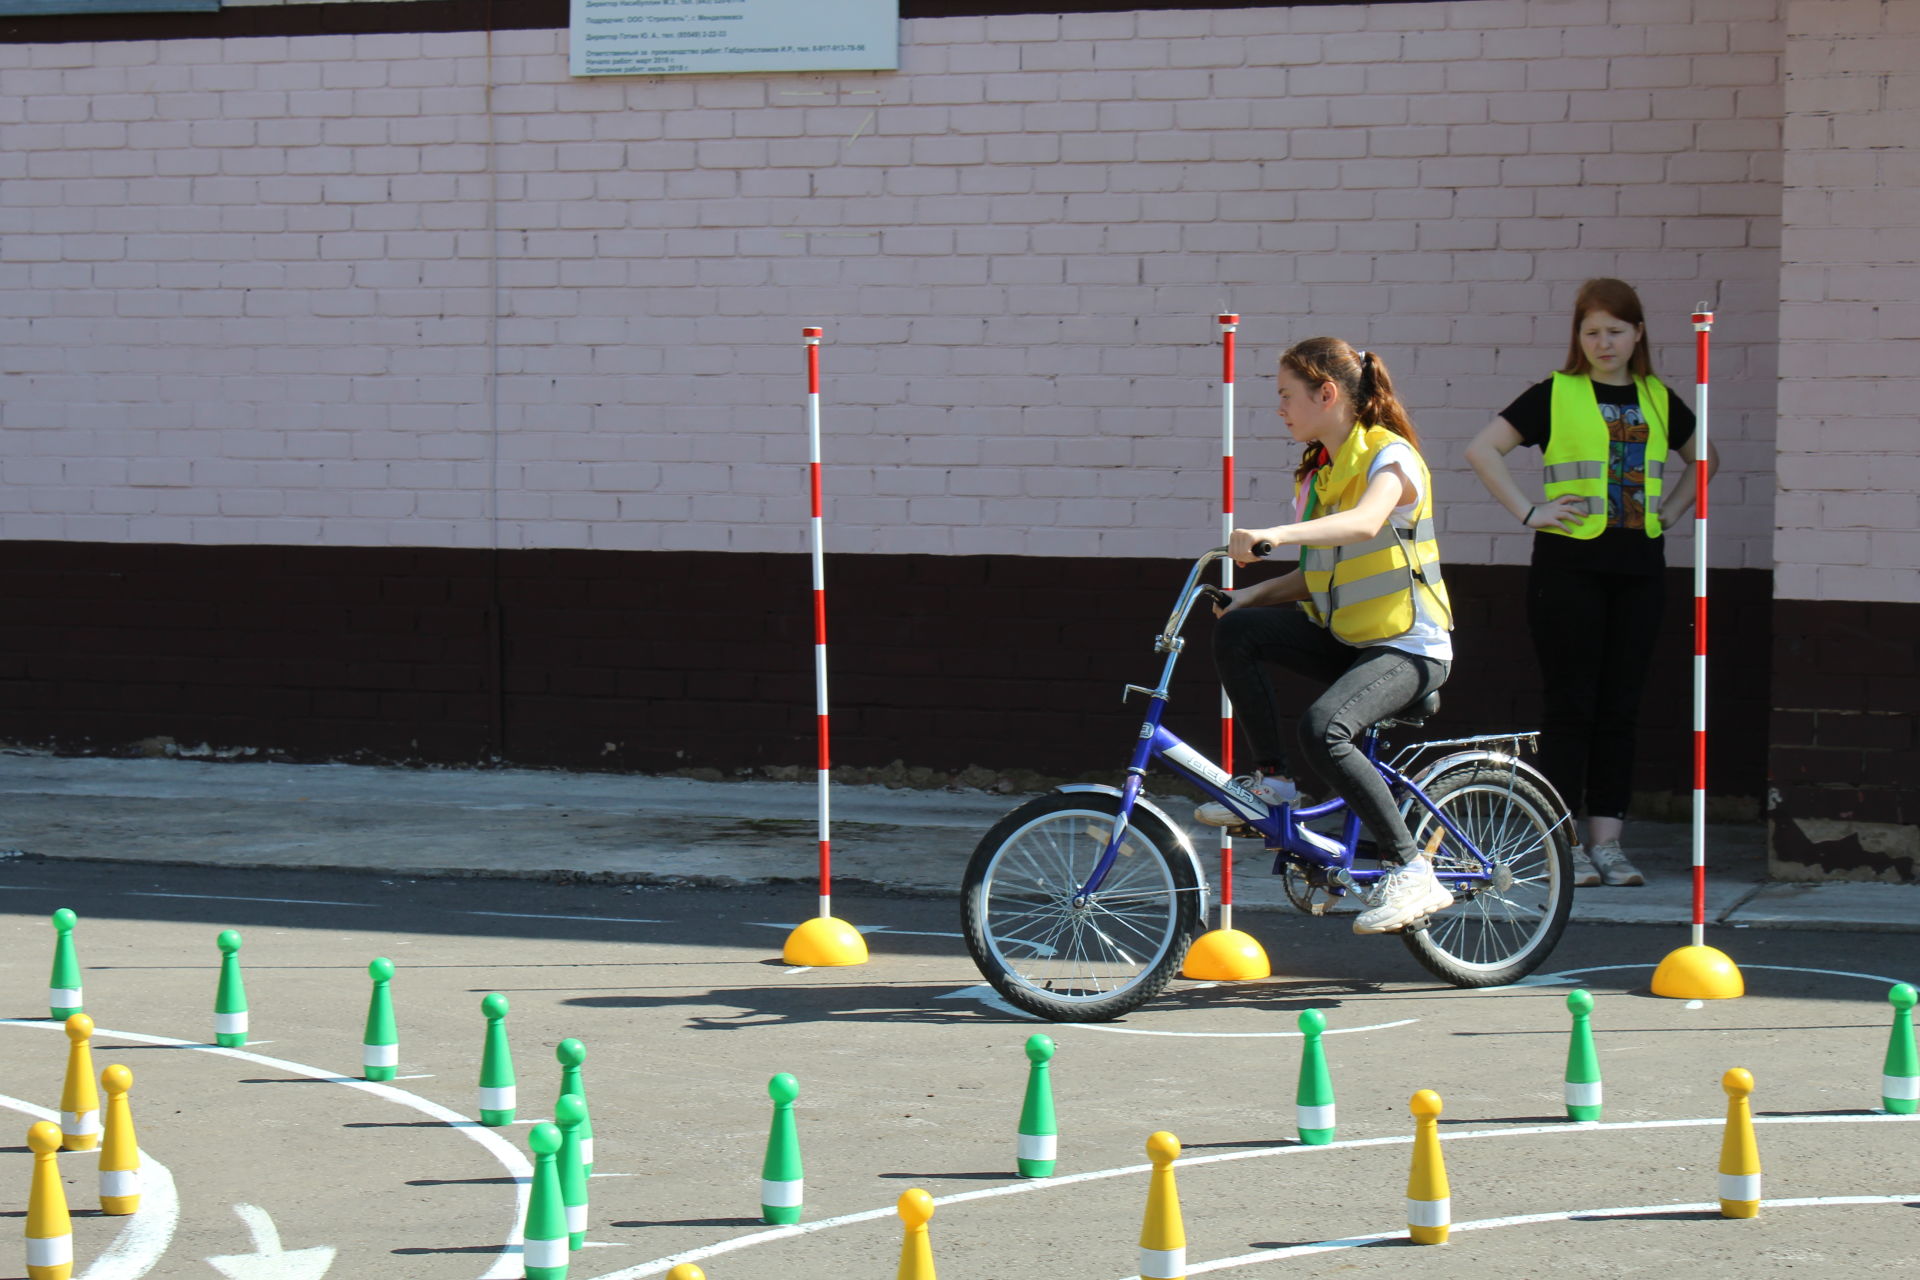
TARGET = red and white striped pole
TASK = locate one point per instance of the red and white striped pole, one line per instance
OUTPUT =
(1702, 338)
(1229, 325)
(1697, 971)
(823, 940)
(1226, 954)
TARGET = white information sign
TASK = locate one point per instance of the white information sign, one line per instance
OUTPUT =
(668, 37)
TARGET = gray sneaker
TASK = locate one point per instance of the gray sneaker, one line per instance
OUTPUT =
(1613, 865)
(1585, 874)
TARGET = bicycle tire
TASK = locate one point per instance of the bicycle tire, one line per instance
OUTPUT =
(1499, 933)
(1090, 963)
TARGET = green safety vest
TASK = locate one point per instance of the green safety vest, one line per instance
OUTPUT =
(1578, 450)
(1364, 591)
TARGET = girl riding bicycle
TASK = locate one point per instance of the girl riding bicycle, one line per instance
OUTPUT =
(1372, 616)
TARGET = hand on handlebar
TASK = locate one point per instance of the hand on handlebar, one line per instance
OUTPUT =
(1249, 545)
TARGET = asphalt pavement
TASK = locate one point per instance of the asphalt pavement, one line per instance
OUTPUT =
(664, 831)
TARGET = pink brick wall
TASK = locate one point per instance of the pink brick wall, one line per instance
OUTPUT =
(1847, 515)
(392, 291)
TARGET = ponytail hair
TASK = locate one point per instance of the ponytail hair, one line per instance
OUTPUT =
(1362, 379)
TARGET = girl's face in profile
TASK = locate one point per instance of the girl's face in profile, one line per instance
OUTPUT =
(1301, 406)
(1608, 343)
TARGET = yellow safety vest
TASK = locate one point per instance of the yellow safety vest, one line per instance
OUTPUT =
(1578, 450)
(1365, 589)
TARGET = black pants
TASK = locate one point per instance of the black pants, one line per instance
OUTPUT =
(1364, 686)
(1593, 633)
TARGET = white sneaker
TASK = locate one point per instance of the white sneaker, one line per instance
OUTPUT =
(1406, 894)
(1612, 865)
(1585, 874)
(1271, 792)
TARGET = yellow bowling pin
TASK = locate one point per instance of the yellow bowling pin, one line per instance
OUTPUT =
(1429, 1199)
(119, 1150)
(1739, 1153)
(915, 1208)
(1163, 1239)
(79, 1099)
(49, 1229)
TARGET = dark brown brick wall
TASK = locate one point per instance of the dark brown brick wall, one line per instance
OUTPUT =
(1844, 749)
(663, 660)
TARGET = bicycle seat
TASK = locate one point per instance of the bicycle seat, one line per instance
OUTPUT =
(1416, 714)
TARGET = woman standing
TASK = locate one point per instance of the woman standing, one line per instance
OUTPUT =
(1372, 615)
(1595, 593)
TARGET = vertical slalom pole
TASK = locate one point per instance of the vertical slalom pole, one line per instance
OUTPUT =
(1225, 954)
(823, 940)
(1697, 971)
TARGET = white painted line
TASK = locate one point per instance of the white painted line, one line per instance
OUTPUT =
(227, 897)
(988, 996)
(1566, 976)
(269, 1259)
(140, 1245)
(529, 915)
(1530, 1219)
(508, 1266)
(661, 1265)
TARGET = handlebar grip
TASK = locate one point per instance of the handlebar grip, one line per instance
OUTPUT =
(1263, 549)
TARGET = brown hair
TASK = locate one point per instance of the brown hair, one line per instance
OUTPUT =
(1617, 299)
(1361, 377)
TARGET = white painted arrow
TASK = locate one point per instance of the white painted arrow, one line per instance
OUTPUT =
(269, 1261)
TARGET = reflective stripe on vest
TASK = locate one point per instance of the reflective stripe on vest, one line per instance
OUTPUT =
(1579, 449)
(1366, 588)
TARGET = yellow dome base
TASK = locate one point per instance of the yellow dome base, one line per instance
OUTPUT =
(1698, 973)
(825, 942)
(1226, 955)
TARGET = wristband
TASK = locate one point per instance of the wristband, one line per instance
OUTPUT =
(1526, 520)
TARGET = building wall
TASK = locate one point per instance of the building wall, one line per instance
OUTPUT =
(413, 291)
(1847, 539)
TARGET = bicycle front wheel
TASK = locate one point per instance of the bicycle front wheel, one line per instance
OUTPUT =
(1068, 961)
(1508, 920)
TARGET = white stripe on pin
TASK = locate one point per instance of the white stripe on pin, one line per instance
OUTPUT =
(586, 1151)
(1740, 1186)
(119, 1182)
(546, 1253)
(576, 1217)
(1583, 1093)
(500, 1098)
(79, 1123)
(781, 1195)
(1156, 1264)
(1900, 1088)
(49, 1251)
(63, 997)
(380, 1055)
(230, 1024)
(1314, 1117)
(1429, 1213)
(1038, 1146)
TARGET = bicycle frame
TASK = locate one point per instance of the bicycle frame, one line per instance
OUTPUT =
(1279, 826)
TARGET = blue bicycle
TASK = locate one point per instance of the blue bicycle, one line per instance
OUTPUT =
(1080, 905)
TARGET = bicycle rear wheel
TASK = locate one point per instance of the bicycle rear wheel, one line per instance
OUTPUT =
(1090, 962)
(1502, 927)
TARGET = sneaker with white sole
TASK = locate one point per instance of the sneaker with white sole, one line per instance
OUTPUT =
(1585, 874)
(1613, 865)
(1404, 895)
(1271, 792)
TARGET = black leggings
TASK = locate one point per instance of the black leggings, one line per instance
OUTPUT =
(1593, 633)
(1364, 686)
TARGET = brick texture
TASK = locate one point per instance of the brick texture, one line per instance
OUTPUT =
(1849, 453)
(403, 290)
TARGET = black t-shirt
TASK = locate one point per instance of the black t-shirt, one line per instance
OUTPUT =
(1623, 546)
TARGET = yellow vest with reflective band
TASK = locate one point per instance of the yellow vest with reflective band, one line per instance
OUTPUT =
(1364, 591)
(1578, 450)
